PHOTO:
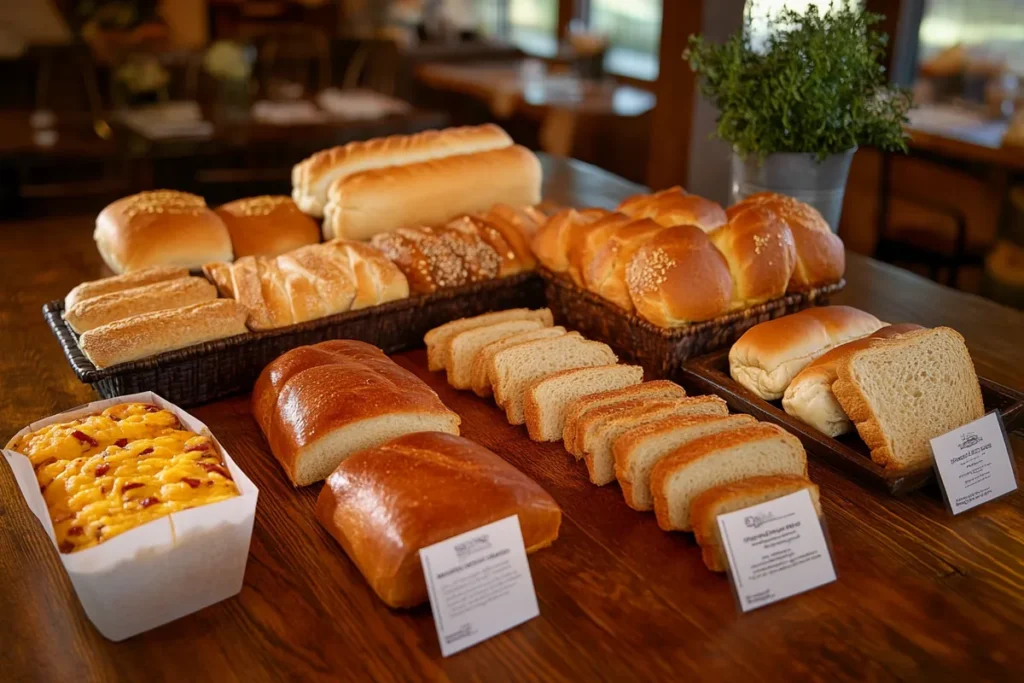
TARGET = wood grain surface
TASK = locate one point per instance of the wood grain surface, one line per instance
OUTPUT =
(920, 595)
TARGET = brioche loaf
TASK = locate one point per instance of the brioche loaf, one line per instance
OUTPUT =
(676, 207)
(464, 346)
(267, 226)
(547, 400)
(637, 204)
(319, 404)
(605, 272)
(526, 221)
(639, 449)
(149, 334)
(739, 495)
(160, 228)
(438, 339)
(312, 177)
(513, 369)
(480, 380)
(769, 355)
(118, 283)
(901, 393)
(158, 296)
(601, 427)
(384, 504)
(552, 240)
(761, 254)
(717, 459)
(809, 396)
(585, 240)
(648, 391)
(679, 277)
(431, 192)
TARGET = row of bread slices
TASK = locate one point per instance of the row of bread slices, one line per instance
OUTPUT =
(676, 258)
(686, 458)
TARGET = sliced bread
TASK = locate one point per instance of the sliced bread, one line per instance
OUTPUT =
(719, 459)
(903, 392)
(515, 368)
(479, 382)
(638, 450)
(658, 389)
(548, 399)
(437, 339)
(742, 494)
(463, 347)
(601, 427)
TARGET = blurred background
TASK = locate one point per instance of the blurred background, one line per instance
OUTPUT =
(102, 98)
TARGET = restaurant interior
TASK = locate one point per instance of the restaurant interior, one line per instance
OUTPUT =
(104, 98)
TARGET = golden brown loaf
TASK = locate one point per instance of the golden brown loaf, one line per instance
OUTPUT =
(312, 177)
(117, 283)
(319, 404)
(158, 296)
(384, 504)
(430, 192)
(552, 240)
(605, 273)
(149, 334)
(809, 396)
(439, 258)
(585, 240)
(676, 207)
(377, 279)
(160, 228)
(679, 277)
(267, 226)
(761, 255)
(769, 355)
(526, 219)
(820, 255)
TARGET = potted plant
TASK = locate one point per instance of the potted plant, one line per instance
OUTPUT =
(796, 107)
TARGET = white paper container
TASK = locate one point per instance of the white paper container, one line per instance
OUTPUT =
(161, 570)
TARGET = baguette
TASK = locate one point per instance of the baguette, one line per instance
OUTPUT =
(159, 296)
(149, 334)
(118, 283)
(430, 192)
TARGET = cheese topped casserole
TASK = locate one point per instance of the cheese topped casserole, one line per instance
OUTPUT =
(104, 474)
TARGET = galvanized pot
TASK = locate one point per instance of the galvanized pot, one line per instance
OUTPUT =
(821, 185)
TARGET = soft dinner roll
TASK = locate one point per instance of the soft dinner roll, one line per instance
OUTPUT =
(769, 355)
(761, 255)
(267, 225)
(679, 277)
(160, 228)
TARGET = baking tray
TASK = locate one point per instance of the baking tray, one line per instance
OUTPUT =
(710, 374)
(662, 351)
(206, 372)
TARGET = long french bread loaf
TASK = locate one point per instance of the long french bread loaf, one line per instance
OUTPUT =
(158, 296)
(117, 283)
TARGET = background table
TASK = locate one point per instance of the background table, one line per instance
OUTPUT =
(920, 595)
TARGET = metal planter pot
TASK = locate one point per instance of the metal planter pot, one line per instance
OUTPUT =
(821, 185)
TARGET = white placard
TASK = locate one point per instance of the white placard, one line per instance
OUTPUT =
(974, 463)
(479, 584)
(775, 550)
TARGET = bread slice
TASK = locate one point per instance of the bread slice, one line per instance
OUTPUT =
(479, 380)
(719, 459)
(463, 347)
(638, 450)
(656, 390)
(515, 368)
(548, 399)
(437, 339)
(601, 427)
(903, 392)
(742, 494)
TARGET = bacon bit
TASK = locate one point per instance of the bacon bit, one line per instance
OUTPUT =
(209, 482)
(151, 409)
(67, 546)
(84, 438)
(194, 483)
(103, 490)
(197, 447)
(219, 469)
(121, 443)
(75, 531)
(115, 418)
(146, 451)
(48, 461)
(131, 485)
(146, 502)
(102, 469)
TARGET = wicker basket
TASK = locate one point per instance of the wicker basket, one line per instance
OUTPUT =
(662, 351)
(206, 372)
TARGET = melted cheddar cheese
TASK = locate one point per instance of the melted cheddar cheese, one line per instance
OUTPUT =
(104, 474)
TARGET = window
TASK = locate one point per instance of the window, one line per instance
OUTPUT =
(989, 29)
(633, 28)
(529, 24)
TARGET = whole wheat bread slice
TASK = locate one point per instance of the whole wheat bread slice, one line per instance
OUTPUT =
(463, 347)
(652, 391)
(437, 339)
(638, 450)
(718, 459)
(479, 380)
(513, 369)
(548, 399)
(602, 426)
(903, 392)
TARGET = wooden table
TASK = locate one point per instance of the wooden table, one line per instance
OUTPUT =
(920, 596)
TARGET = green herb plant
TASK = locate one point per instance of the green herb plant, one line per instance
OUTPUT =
(816, 86)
